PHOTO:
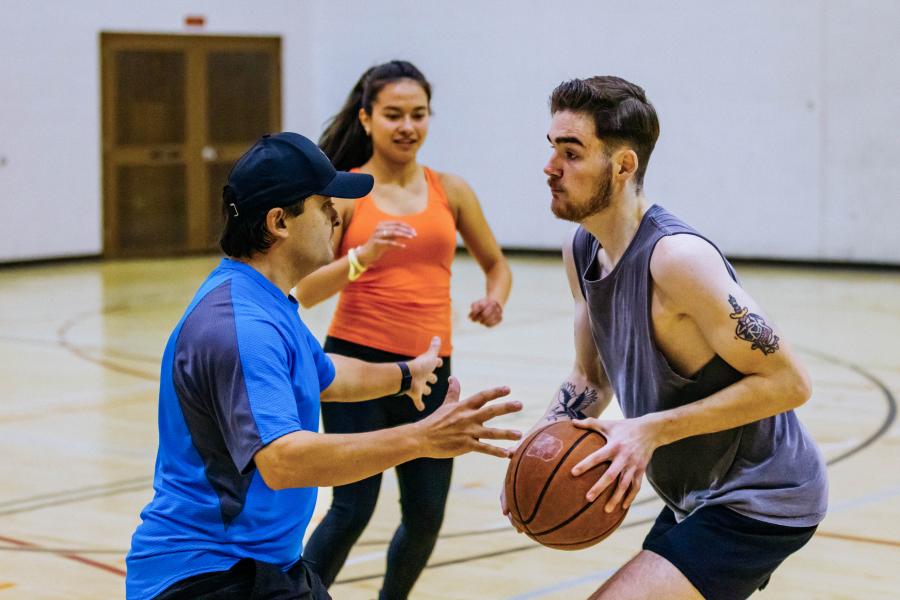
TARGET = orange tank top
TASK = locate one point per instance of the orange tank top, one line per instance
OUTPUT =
(403, 299)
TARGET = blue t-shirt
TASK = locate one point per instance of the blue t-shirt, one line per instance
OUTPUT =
(240, 370)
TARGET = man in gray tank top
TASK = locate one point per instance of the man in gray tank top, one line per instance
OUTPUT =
(706, 381)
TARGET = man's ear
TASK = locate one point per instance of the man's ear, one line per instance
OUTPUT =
(276, 223)
(626, 162)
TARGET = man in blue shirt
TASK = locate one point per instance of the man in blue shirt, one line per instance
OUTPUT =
(240, 455)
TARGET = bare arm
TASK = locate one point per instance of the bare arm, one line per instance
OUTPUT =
(691, 278)
(356, 380)
(308, 459)
(480, 241)
(586, 392)
(735, 327)
(325, 282)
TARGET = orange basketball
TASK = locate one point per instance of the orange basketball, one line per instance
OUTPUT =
(546, 501)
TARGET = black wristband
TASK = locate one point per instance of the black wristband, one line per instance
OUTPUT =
(406, 381)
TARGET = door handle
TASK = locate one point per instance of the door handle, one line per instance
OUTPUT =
(209, 153)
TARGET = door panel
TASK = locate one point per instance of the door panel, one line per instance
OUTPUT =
(150, 94)
(177, 112)
(239, 86)
(152, 208)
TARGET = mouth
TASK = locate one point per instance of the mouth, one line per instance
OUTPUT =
(555, 188)
(405, 143)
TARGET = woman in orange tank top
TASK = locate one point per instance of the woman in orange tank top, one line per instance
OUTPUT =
(395, 248)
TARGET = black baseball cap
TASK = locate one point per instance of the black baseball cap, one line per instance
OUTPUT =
(284, 168)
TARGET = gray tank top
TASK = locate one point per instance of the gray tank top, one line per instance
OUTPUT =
(769, 470)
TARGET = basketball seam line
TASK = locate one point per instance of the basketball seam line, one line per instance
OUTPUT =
(515, 477)
(575, 516)
(553, 473)
(597, 538)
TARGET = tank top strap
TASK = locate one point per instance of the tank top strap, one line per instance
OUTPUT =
(433, 179)
(668, 224)
(360, 205)
(584, 252)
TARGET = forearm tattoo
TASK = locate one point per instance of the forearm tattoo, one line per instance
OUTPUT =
(753, 328)
(572, 404)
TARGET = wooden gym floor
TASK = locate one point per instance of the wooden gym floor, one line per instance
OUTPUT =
(80, 345)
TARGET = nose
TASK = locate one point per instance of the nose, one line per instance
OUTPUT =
(551, 169)
(407, 123)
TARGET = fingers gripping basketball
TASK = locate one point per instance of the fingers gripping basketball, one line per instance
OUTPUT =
(546, 501)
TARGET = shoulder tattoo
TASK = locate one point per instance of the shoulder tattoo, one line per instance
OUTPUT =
(572, 404)
(753, 328)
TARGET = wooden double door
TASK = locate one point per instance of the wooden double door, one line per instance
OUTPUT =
(178, 111)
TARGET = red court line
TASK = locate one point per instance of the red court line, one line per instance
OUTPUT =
(75, 557)
(857, 538)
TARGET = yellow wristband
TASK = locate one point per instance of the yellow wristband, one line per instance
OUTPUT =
(356, 269)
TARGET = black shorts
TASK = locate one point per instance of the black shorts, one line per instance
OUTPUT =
(724, 554)
(250, 579)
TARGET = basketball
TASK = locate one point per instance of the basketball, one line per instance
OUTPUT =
(546, 501)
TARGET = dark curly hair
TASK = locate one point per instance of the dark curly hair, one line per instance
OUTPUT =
(622, 115)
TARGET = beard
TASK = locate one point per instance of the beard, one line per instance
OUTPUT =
(601, 197)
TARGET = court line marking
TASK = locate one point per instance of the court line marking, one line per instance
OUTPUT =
(366, 557)
(870, 499)
(444, 563)
(70, 556)
(36, 550)
(599, 577)
(125, 489)
(858, 538)
(604, 575)
(62, 339)
(123, 354)
(501, 526)
(74, 491)
(889, 419)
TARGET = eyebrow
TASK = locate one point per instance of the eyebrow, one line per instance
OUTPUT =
(566, 140)
(400, 109)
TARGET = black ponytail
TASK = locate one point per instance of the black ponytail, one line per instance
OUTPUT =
(344, 140)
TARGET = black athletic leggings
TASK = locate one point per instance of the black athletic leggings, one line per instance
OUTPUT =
(424, 484)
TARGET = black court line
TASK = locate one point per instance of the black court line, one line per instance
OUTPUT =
(104, 493)
(111, 352)
(62, 339)
(886, 424)
(465, 559)
(487, 530)
(116, 551)
(74, 491)
(888, 396)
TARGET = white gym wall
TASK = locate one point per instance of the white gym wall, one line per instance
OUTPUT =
(779, 120)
